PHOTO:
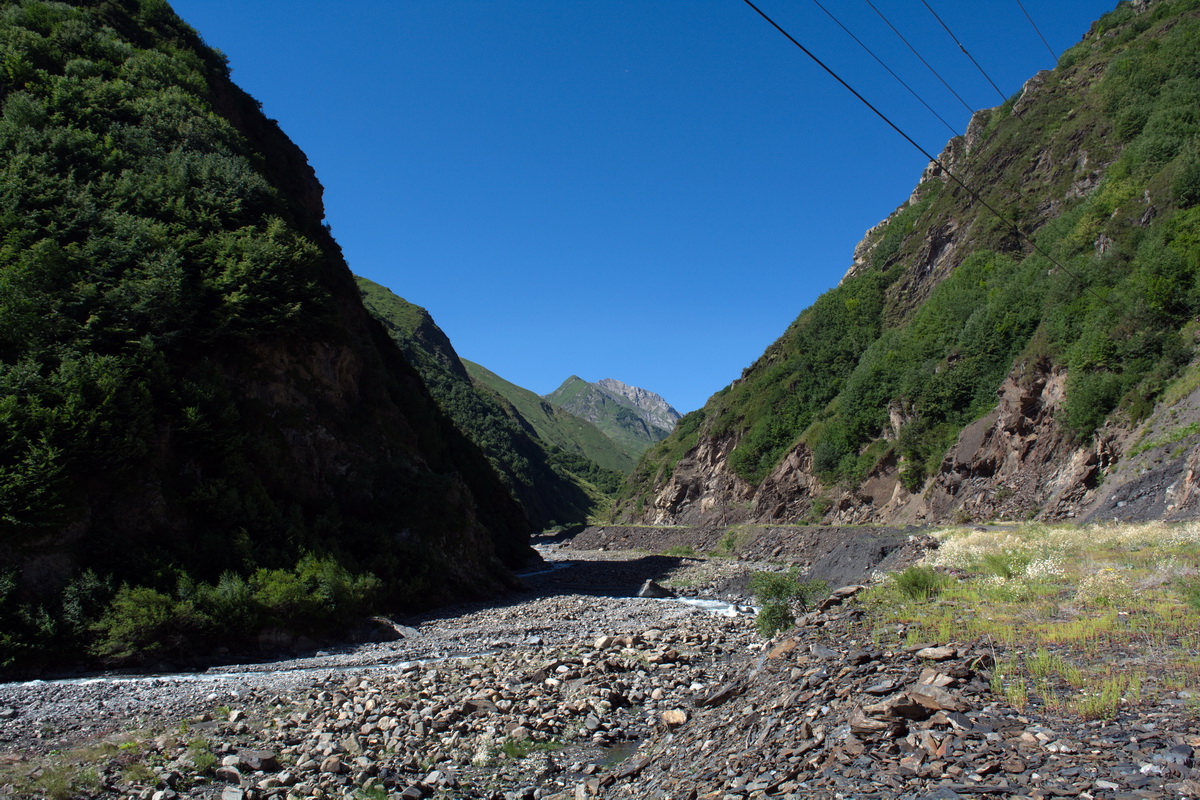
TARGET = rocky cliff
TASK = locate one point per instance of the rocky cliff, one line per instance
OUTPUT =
(972, 367)
(657, 412)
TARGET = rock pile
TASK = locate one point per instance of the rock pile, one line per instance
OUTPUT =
(517, 724)
(823, 713)
(646, 699)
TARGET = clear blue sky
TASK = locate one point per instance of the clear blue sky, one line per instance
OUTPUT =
(647, 190)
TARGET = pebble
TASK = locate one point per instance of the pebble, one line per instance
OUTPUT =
(620, 698)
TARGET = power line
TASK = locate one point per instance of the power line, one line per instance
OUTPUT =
(967, 54)
(974, 194)
(1039, 33)
(885, 66)
(918, 55)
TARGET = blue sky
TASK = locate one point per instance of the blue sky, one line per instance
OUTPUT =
(647, 190)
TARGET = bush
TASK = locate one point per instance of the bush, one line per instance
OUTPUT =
(139, 620)
(921, 582)
(1190, 591)
(776, 592)
(772, 618)
(1186, 186)
(313, 597)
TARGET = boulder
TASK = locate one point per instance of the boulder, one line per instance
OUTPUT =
(652, 589)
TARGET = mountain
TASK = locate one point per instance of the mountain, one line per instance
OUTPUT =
(633, 418)
(552, 486)
(202, 431)
(971, 367)
(560, 430)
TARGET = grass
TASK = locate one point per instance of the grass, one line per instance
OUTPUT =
(1177, 435)
(76, 772)
(1085, 620)
(520, 748)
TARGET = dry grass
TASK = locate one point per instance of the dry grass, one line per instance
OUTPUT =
(1089, 618)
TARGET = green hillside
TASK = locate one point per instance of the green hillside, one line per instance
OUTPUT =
(551, 487)
(555, 427)
(202, 432)
(1101, 168)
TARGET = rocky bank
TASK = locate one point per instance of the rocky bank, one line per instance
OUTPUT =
(575, 690)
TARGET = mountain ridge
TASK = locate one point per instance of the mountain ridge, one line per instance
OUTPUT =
(880, 402)
(555, 426)
(551, 490)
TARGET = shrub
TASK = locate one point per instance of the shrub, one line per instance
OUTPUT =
(1190, 591)
(1186, 185)
(921, 582)
(139, 619)
(772, 618)
(1103, 588)
(314, 596)
(776, 592)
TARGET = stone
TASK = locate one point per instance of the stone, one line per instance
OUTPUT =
(865, 726)
(333, 765)
(259, 760)
(823, 653)
(839, 596)
(654, 590)
(674, 717)
(937, 653)
(936, 698)
(632, 767)
(886, 686)
(228, 774)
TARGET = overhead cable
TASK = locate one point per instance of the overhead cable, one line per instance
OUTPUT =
(974, 194)
(918, 55)
(885, 66)
(1038, 31)
(964, 49)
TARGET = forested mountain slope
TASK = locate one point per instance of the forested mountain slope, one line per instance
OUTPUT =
(554, 487)
(958, 372)
(202, 431)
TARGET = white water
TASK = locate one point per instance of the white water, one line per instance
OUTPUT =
(718, 607)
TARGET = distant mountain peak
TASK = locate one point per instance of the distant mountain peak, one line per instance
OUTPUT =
(632, 416)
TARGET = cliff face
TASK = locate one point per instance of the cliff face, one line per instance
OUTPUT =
(189, 382)
(657, 412)
(960, 373)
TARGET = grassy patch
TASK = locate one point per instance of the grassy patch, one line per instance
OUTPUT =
(520, 748)
(1177, 435)
(1085, 620)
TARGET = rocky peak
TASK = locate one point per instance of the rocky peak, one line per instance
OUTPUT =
(631, 417)
(658, 411)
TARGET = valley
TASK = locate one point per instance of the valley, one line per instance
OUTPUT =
(266, 535)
